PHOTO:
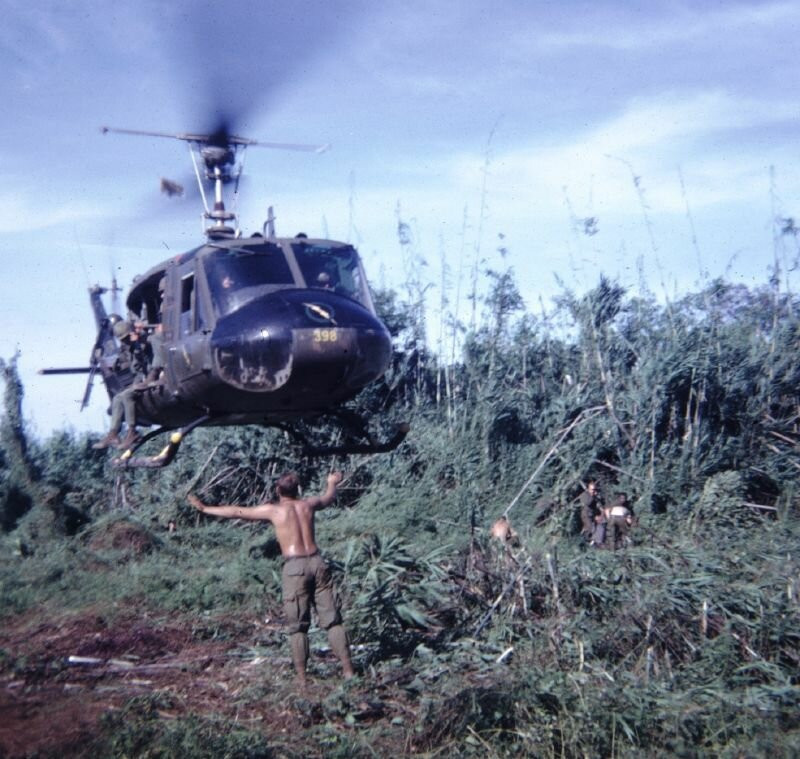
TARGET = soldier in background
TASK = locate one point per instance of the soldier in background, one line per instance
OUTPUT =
(620, 519)
(155, 342)
(591, 511)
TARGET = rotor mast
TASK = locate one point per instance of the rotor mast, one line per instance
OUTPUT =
(218, 152)
(218, 163)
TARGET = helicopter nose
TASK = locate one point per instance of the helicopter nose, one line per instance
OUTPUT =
(328, 345)
(252, 347)
(339, 346)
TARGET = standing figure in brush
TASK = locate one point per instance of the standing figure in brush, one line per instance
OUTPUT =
(306, 578)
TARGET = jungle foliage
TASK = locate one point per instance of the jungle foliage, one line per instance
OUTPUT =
(684, 642)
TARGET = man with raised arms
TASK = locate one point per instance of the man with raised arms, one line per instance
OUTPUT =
(306, 577)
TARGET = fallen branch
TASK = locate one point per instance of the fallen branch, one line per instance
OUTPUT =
(500, 659)
(202, 469)
(584, 416)
(488, 615)
(760, 506)
(122, 665)
(784, 438)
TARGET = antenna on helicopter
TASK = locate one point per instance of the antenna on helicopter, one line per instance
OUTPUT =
(269, 224)
(218, 153)
(115, 290)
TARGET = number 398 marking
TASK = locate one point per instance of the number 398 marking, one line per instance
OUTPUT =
(325, 336)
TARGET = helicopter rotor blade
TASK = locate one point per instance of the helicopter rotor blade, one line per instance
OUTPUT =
(220, 138)
(291, 146)
(142, 133)
(65, 370)
(224, 90)
(87, 393)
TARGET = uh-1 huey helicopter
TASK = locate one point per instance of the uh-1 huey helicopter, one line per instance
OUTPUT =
(252, 330)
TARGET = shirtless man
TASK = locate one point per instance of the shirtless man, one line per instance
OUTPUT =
(306, 578)
(503, 531)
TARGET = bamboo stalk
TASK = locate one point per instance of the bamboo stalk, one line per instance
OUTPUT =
(584, 416)
(202, 469)
(652, 469)
(784, 438)
(760, 506)
(552, 570)
(747, 648)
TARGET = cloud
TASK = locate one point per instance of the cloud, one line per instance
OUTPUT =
(701, 149)
(25, 213)
(708, 133)
(31, 34)
(655, 122)
(681, 25)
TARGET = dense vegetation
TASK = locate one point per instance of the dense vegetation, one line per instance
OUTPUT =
(686, 642)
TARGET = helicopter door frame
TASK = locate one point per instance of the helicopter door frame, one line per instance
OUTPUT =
(189, 354)
(187, 315)
(196, 314)
(288, 253)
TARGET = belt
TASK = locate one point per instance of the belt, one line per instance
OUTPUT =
(307, 556)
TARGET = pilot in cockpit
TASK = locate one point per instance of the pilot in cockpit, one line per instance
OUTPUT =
(324, 281)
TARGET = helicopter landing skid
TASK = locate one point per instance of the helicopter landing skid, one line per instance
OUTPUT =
(348, 420)
(371, 446)
(128, 461)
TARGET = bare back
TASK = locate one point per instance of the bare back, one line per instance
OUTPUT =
(293, 520)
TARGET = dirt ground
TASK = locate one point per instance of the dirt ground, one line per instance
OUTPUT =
(58, 678)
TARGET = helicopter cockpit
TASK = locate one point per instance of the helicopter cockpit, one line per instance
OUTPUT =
(237, 275)
(326, 267)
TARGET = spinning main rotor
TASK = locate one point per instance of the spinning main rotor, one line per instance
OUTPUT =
(217, 152)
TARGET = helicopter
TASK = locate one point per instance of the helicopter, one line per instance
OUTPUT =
(252, 330)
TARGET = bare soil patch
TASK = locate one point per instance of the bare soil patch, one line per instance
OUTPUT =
(130, 539)
(60, 677)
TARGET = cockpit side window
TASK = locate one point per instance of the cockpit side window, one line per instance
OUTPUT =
(333, 268)
(187, 324)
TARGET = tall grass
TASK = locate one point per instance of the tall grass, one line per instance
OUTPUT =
(685, 642)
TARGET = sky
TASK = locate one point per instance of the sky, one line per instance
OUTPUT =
(656, 143)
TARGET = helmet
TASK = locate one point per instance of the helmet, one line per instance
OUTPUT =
(114, 318)
(122, 329)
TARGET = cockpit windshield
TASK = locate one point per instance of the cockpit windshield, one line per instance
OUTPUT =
(237, 275)
(336, 268)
